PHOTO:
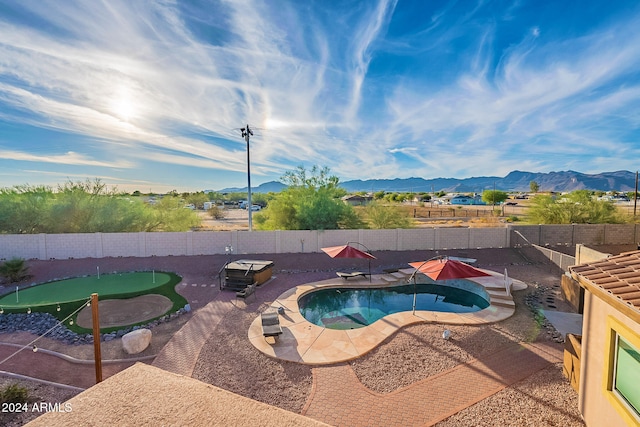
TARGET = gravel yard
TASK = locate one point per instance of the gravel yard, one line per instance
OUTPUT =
(229, 361)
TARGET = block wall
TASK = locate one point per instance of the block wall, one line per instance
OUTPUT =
(99, 245)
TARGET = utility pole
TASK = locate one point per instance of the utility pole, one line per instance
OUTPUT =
(635, 197)
(246, 132)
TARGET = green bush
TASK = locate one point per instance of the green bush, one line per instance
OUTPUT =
(14, 269)
(13, 393)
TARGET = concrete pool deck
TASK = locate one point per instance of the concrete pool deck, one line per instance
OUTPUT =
(304, 342)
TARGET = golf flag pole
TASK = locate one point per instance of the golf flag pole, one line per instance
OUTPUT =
(97, 355)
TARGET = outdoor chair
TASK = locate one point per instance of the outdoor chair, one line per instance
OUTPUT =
(246, 292)
(351, 275)
(270, 324)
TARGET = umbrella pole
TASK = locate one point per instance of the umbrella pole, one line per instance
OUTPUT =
(415, 293)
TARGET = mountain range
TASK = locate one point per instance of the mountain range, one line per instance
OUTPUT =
(515, 181)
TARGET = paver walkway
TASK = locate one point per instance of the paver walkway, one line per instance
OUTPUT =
(181, 353)
(339, 399)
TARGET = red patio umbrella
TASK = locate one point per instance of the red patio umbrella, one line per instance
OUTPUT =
(348, 251)
(443, 268)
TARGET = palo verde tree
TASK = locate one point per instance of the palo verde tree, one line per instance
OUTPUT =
(577, 207)
(311, 201)
(86, 207)
(23, 208)
(380, 216)
(494, 197)
(169, 214)
(534, 187)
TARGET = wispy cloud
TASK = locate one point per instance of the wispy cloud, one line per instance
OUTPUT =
(70, 158)
(380, 89)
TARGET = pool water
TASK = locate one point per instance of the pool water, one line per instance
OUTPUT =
(351, 308)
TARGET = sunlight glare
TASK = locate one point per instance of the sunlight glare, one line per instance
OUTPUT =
(122, 105)
(275, 124)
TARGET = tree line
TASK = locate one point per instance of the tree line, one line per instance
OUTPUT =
(87, 207)
(312, 200)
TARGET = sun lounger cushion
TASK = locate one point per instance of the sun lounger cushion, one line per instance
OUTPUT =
(351, 275)
(270, 324)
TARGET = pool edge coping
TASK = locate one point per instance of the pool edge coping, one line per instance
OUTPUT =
(306, 343)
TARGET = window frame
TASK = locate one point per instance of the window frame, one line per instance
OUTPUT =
(616, 329)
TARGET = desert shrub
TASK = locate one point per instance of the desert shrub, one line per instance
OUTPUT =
(216, 212)
(14, 393)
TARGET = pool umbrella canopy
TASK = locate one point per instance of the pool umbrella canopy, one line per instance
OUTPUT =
(348, 251)
(443, 269)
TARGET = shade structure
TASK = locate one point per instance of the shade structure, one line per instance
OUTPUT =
(443, 269)
(348, 251)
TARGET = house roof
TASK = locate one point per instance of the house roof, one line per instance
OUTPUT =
(357, 197)
(615, 279)
(144, 395)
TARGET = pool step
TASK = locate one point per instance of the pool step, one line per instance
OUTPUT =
(398, 275)
(503, 301)
(494, 287)
(388, 278)
(498, 293)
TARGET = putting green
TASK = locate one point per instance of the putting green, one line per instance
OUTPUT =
(82, 287)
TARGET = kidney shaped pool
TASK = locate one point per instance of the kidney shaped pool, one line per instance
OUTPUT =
(350, 308)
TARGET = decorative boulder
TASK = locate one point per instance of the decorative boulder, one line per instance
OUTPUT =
(137, 341)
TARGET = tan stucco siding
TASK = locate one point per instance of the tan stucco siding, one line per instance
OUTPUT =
(594, 405)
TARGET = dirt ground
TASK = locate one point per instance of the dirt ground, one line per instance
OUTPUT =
(234, 219)
(467, 216)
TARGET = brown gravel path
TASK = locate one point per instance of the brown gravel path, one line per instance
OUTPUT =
(181, 353)
(338, 398)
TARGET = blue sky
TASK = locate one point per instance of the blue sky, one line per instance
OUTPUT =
(150, 95)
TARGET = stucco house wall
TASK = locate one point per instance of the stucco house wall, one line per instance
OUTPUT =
(594, 405)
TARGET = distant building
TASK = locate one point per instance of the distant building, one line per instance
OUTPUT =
(466, 200)
(357, 200)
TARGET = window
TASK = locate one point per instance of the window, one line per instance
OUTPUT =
(627, 373)
(623, 370)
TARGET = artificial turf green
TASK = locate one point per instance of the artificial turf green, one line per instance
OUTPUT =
(79, 288)
(109, 286)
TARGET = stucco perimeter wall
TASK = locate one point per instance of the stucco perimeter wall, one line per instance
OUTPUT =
(99, 245)
(594, 405)
(573, 234)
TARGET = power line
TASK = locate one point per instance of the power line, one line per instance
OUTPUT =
(32, 343)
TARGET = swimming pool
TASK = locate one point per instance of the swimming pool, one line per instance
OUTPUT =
(351, 308)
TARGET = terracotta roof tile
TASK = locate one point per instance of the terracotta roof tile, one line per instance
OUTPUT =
(618, 275)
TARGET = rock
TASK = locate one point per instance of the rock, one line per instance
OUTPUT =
(137, 341)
